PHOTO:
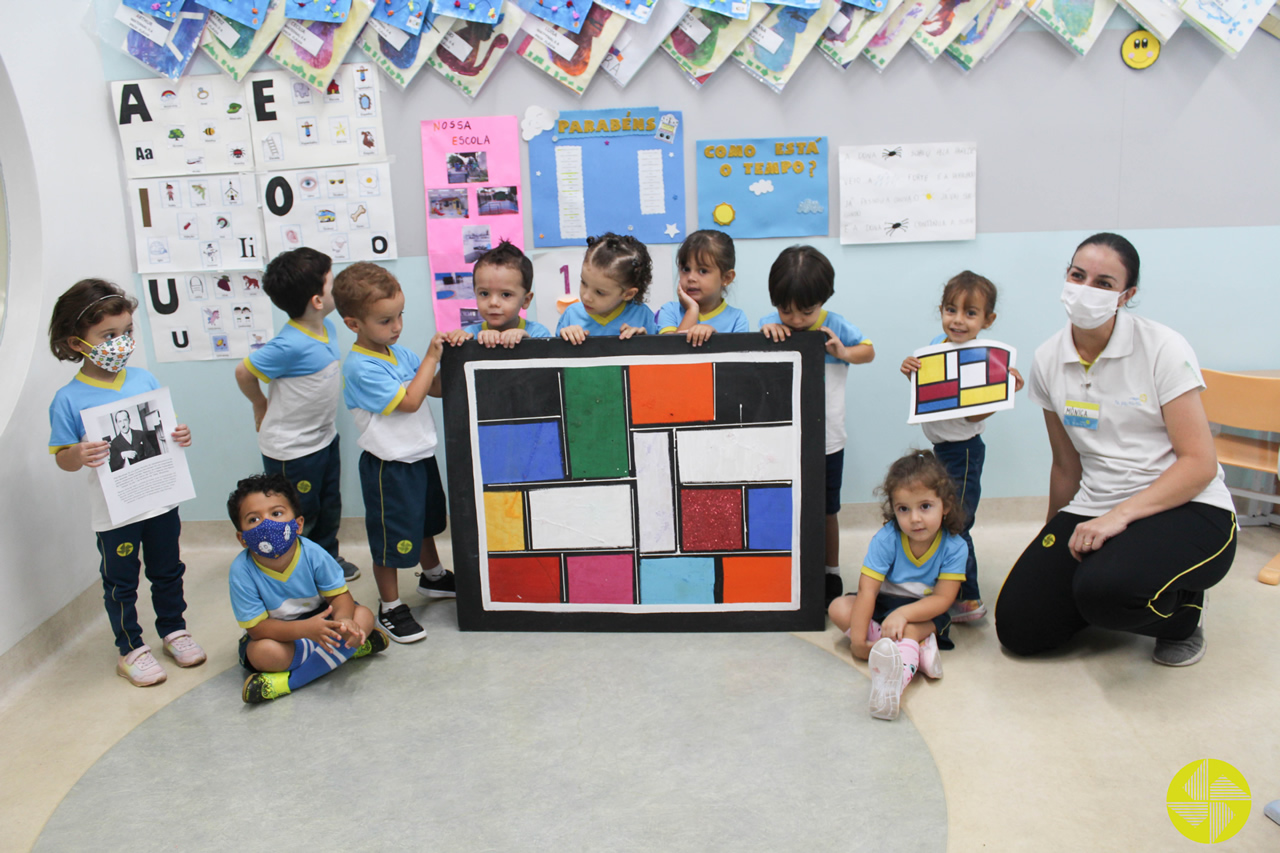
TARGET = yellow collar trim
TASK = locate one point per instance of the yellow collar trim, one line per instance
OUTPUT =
(611, 316)
(281, 576)
(486, 327)
(906, 548)
(714, 311)
(114, 385)
(822, 321)
(310, 334)
(390, 356)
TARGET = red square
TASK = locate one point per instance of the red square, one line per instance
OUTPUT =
(711, 519)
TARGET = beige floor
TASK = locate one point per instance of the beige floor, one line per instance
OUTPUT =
(1072, 753)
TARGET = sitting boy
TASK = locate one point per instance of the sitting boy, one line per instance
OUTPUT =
(289, 595)
(503, 279)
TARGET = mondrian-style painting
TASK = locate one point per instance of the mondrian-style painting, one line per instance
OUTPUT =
(637, 485)
(956, 381)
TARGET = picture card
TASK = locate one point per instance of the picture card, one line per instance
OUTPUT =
(774, 187)
(344, 211)
(962, 380)
(296, 127)
(205, 222)
(469, 52)
(202, 315)
(908, 193)
(237, 46)
(188, 126)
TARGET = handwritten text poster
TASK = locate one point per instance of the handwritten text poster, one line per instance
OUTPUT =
(908, 193)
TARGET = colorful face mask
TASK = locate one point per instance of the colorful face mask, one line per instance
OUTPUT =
(111, 355)
(271, 538)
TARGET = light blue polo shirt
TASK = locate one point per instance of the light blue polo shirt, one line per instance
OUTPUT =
(375, 385)
(889, 561)
(628, 313)
(724, 318)
(258, 593)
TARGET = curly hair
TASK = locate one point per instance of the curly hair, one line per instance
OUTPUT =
(82, 307)
(922, 468)
(261, 484)
(623, 259)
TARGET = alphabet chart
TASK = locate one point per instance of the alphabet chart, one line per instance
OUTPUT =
(182, 127)
(296, 127)
(201, 316)
(343, 211)
(202, 222)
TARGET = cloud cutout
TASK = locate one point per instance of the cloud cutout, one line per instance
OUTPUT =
(761, 187)
(537, 119)
(810, 205)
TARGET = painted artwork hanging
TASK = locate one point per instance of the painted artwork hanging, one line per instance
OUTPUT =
(467, 55)
(637, 10)
(851, 29)
(948, 21)
(897, 31)
(751, 188)
(177, 127)
(163, 44)
(776, 46)
(345, 211)
(1227, 24)
(637, 42)
(634, 485)
(1076, 23)
(296, 127)
(908, 193)
(569, 58)
(398, 54)
(313, 50)
(608, 170)
(203, 315)
(471, 182)
(566, 15)
(962, 380)
(205, 222)
(703, 40)
(235, 46)
(409, 16)
(1162, 17)
(993, 24)
(328, 11)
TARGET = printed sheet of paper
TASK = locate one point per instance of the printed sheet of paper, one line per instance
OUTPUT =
(344, 211)
(908, 193)
(1226, 23)
(571, 59)
(164, 46)
(775, 48)
(188, 126)
(237, 58)
(850, 30)
(402, 58)
(471, 179)
(1077, 23)
(988, 31)
(314, 50)
(608, 170)
(945, 25)
(897, 31)
(751, 188)
(637, 10)
(202, 316)
(206, 222)
(637, 42)
(470, 51)
(962, 380)
(1162, 17)
(703, 40)
(145, 470)
(296, 127)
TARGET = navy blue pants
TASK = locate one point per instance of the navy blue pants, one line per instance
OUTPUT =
(156, 539)
(963, 461)
(316, 477)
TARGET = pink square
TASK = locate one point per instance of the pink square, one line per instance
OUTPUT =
(601, 579)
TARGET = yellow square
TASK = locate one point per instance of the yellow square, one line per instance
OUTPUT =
(933, 368)
(504, 520)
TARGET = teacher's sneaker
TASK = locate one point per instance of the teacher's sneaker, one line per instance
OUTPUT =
(184, 650)
(141, 668)
(930, 657)
(1180, 652)
(967, 611)
(886, 679)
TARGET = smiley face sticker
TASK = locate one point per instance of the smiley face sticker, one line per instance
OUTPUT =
(1140, 49)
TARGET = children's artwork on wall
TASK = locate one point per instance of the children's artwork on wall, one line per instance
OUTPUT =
(398, 54)
(164, 44)
(344, 211)
(571, 59)
(908, 193)
(850, 30)
(1226, 23)
(637, 10)
(763, 187)
(1162, 17)
(328, 11)
(703, 39)
(962, 380)
(1077, 23)
(205, 315)
(296, 127)
(314, 50)
(649, 487)
(947, 22)
(250, 13)
(897, 31)
(205, 222)
(188, 126)
(608, 170)
(636, 42)
(471, 179)
(470, 51)
(740, 9)
(567, 15)
(235, 46)
(997, 20)
(408, 16)
(479, 11)
(776, 46)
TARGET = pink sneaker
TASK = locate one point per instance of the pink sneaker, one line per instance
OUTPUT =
(931, 657)
(885, 663)
(141, 668)
(967, 611)
(184, 650)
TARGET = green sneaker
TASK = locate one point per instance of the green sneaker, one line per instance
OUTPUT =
(377, 641)
(264, 686)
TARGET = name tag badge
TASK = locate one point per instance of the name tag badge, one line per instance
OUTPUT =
(1082, 415)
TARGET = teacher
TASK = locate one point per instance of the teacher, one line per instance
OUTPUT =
(1140, 520)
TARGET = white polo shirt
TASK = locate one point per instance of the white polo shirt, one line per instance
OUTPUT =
(1112, 410)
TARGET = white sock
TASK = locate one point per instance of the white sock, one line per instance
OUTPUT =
(390, 605)
(434, 573)
(833, 570)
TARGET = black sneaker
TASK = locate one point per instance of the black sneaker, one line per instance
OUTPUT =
(350, 571)
(376, 642)
(441, 587)
(835, 588)
(400, 625)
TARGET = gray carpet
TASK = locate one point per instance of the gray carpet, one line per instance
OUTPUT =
(565, 742)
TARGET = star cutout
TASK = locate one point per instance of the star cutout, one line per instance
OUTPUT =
(672, 230)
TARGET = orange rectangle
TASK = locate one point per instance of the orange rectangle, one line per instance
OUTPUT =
(757, 579)
(672, 393)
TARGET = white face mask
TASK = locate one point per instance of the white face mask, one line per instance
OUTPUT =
(1089, 307)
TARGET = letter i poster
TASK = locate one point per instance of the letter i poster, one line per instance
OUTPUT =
(471, 178)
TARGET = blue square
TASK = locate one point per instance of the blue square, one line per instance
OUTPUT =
(520, 453)
(769, 519)
(678, 580)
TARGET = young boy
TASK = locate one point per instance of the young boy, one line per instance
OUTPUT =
(386, 390)
(289, 595)
(801, 280)
(296, 432)
(503, 279)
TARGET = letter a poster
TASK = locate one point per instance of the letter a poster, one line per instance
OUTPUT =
(471, 178)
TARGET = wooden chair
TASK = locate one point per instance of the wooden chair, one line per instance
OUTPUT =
(1248, 401)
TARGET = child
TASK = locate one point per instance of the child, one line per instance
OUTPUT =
(800, 281)
(386, 390)
(911, 575)
(296, 431)
(706, 265)
(968, 307)
(93, 322)
(616, 272)
(289, 595)
(503, 279)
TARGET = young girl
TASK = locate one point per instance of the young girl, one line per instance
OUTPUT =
(616, 272)
(911, 575)
(968, 307)
(93, 322)
(706, 262)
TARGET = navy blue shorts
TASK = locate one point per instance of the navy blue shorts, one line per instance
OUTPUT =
(404, 504)
(886, 604)
(835, 475)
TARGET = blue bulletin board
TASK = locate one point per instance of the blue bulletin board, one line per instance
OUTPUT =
(763, 187)
(609, 170)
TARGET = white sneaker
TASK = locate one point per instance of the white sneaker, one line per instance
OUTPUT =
(931, 657)
(141, 668)
(886, 679)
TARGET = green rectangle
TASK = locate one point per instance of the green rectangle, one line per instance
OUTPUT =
(595, 422)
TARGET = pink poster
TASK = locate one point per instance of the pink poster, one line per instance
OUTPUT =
(471, 175)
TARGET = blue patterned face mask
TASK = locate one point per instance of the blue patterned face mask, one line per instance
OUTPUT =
(271, 538)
